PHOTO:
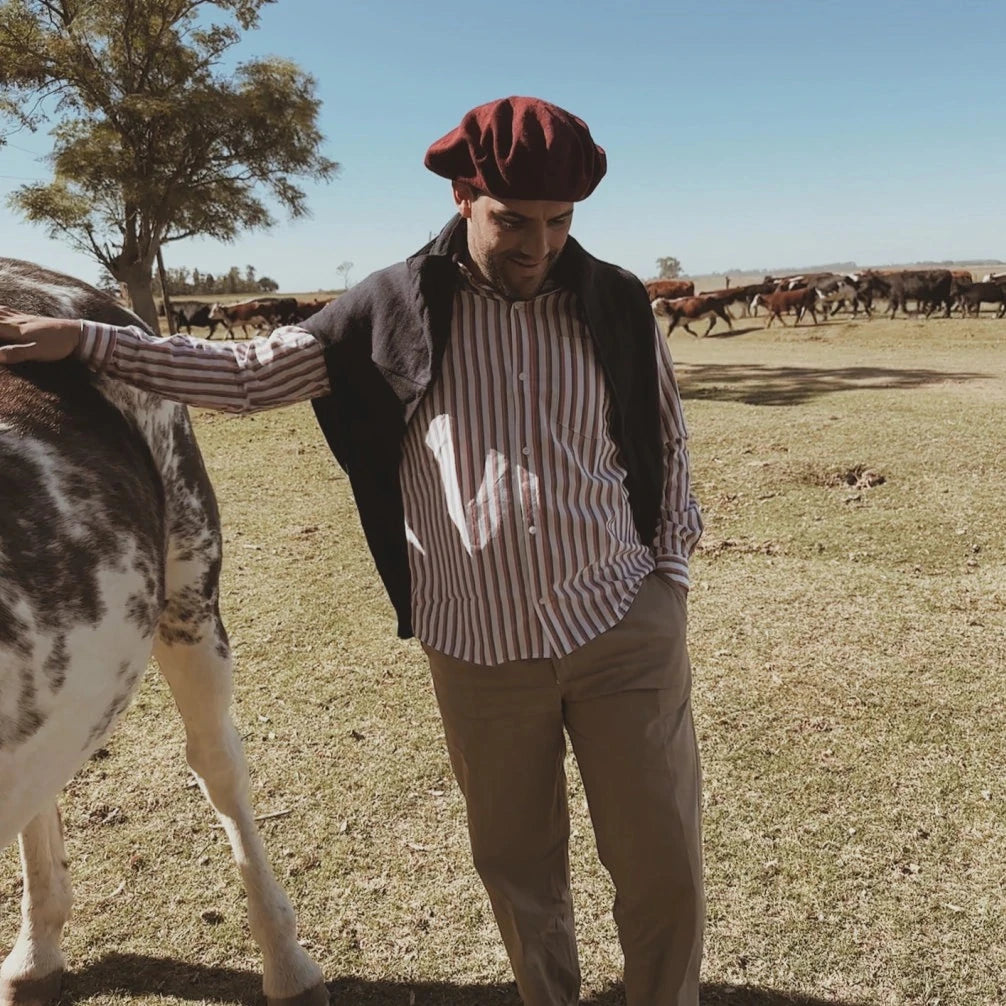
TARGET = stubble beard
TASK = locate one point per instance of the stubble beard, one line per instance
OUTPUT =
(494, 272)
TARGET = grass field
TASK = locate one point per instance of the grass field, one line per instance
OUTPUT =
(848, 630)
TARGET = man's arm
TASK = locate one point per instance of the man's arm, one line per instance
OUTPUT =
(680, 525)
(279, 369)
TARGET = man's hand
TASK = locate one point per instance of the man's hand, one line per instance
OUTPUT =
(34, 338)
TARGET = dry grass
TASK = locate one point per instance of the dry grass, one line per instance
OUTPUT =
(848, 639)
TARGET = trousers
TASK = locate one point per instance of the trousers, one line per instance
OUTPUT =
(623, 699)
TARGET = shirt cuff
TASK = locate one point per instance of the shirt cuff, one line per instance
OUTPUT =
(674, 569)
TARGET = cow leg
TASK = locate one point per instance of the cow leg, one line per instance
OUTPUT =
(712, 321)
(726, 317)
(33, 971)
(199, 675)
(689, 331)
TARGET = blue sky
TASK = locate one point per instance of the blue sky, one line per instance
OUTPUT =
(741, 134)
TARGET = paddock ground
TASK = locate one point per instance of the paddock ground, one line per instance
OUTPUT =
(848, 619)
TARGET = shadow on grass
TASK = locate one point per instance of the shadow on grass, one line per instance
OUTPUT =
(757, 384)
(138, 975)
(721, 333)
(752, 325)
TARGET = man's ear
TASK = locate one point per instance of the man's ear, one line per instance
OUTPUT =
(463, 198)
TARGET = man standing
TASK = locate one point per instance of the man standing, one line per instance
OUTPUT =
(507, 413)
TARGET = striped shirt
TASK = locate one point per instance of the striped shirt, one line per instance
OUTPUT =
(521, 538)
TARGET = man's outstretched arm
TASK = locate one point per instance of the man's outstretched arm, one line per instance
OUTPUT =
(285, 367)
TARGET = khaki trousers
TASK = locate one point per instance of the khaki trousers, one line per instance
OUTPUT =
(623, 699)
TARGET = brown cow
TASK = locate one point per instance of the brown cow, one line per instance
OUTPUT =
(688, 309)
(669, 288)
(305, 308)
(801, 300)
(261, 313)
(739, 295)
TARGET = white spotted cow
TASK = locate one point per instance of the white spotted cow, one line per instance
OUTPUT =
(109, 552)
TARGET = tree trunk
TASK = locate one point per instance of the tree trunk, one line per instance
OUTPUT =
(139, 282)
(169, 311)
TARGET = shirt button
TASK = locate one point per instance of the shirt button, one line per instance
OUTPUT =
(522, 376)
(525, 451)
(532, 530)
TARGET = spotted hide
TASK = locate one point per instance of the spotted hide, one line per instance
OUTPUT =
(109, 552)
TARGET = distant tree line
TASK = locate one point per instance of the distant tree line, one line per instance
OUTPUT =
(183, 280)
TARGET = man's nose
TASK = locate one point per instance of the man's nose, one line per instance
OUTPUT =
(536, 243)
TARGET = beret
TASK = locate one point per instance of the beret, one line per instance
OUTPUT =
(521, 148)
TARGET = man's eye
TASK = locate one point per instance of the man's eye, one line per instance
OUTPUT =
(510, 225)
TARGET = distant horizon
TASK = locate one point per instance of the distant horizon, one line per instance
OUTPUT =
(842, 267)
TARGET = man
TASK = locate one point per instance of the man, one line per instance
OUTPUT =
(508, 416)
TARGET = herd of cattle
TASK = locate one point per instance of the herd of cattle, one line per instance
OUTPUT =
(827, 293)
(260, 313)
(928, 290)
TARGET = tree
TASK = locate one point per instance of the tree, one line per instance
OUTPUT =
(668, 268)
(152, 141)
(108, 284)
(343, 268)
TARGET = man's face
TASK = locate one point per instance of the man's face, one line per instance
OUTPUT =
(513, 242)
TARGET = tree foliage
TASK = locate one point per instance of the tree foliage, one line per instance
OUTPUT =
(668, 268)
(153, 141)
(183, 280)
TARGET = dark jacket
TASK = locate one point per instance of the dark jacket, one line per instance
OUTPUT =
(384, 342)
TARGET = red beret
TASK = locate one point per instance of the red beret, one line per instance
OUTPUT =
(521, 148)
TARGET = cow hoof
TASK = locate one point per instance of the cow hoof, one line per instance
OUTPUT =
(31, 991)
(317, 996)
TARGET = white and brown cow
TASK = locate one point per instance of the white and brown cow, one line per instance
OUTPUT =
(109, 552)
(689, 309)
